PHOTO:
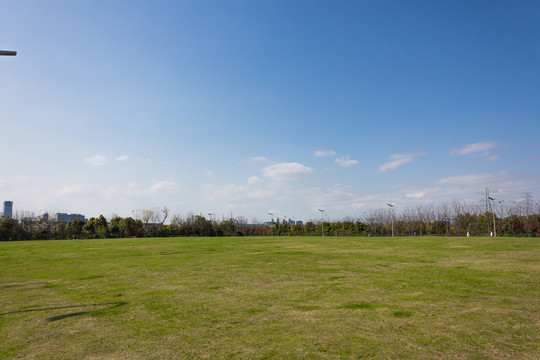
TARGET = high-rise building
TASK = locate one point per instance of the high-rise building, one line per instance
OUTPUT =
(63, 217)
(8, 209)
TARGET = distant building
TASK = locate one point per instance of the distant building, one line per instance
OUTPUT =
(64, 218)
(8, 209)
(284, 221)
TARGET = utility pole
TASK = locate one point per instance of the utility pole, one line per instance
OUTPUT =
(487, 199)
(493, 212)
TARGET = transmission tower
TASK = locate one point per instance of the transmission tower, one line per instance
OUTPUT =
(486, 197)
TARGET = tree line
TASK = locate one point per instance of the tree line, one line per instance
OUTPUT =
(456, 218)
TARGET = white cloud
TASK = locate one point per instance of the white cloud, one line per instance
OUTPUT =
(101, 160)
(254, 180)
(473, 148)
(396, 160)
(345, 161)
(286, 171)
(416, 195)
(467, 179)
(322, 153)
(162, 185)
(96, 160)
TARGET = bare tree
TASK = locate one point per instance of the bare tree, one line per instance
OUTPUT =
(21, 215)
(161, 215)
(147, 216)
(443, 212)
(457, 208)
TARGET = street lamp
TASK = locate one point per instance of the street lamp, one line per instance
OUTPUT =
(493, 212)
(271, 223)
(322, 221)
(8, 53)
(392, 216)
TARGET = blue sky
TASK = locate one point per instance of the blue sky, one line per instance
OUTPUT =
(247, 107)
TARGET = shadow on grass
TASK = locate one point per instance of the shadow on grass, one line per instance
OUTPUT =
(30, 284)
(65, 316)
(101, 307)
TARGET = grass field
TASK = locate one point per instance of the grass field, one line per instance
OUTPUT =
(271, 298)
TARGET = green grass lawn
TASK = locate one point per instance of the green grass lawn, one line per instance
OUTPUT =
(276, 298)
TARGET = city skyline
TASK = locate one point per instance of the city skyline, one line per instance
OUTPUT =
(242, 109)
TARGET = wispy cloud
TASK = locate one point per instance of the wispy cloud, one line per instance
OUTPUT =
(481, 147)
(322, 153)
(163, 185)
(345, 161)
(396, 160)
(466, 179)
(253, 180)
(286, 171)
(96, 160)
(101, 160)
(415, 195)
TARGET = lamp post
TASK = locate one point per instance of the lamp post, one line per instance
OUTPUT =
(392, 216)
(322, 221)
(8, 53)
(493, 212)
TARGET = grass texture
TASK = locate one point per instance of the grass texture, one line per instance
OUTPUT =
(271, 298)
